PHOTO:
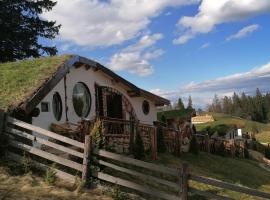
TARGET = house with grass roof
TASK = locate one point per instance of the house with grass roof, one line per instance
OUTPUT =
(69, 88)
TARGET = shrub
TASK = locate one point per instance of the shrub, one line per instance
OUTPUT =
(221, 150)
(246, 153)
(138, 148)
(161, 147)
(26, 163)
(267, 152)
(194, 146)
(96, 134)
(117, 194)
(50, 176)
(254, 145)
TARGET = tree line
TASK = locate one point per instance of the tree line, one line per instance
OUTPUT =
(256, 108)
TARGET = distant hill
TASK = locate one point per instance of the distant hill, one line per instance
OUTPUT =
(250, 126)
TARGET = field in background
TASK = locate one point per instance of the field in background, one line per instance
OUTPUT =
(250, 126)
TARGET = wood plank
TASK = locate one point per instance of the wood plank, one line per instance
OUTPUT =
(208, 194)
(46, 155)
(230, 186)
(135, 162)
(135, 186)
(45, 132)
(141, 175)
(60, 174)
(45, 142)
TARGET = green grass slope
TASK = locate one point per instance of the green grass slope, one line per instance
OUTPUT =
(238, 171)
(249, 126)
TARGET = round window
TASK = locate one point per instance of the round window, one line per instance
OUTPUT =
(57, 106)
(81, 99)
(145, 107)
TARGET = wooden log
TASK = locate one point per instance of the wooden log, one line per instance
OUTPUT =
(45, 142)
(208, 194)
(60, 174)
(134, 186)
(45, 132)
(138, 174)
(46, 155)
(86, 161)
(139, 163)
(207, 143)
(229, 186)
(184, 182)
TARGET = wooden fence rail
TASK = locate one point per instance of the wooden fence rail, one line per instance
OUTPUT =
(176, 173)
(17, 130)
(19, 133)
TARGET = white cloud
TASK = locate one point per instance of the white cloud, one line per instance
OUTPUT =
(203, 92)
(103, 23)
(211, 13)
(136, 58)
(243, 32)
(204, 46)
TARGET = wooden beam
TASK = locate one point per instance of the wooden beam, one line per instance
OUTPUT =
(134, 186)
(138, 174)
(86, 160)
(139, 163)
(45, 142)
(229, 186)
(46, 155)
(60, 174)
(45, 132)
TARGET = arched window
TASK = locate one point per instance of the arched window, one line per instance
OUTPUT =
(81, 99)
(145, 107)
(57, 106)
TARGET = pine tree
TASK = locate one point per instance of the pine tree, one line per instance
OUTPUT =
(22, 28)
(138, 149)
(180, 104)
(189, 106)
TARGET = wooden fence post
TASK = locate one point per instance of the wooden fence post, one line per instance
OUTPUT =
(2, 121)
(86, 161)
(207, 143)
(154, 143)
(184, 182)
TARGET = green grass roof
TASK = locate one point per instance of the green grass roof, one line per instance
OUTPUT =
(20, 79)
(171, 114)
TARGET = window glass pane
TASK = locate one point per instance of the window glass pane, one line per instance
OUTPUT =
(81, 99)
(145, 107)
(57, 106)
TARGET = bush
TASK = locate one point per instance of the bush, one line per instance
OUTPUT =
(117, 194)
(194, 146)
(267, 152)
(221, 150)
(50, 176)
(161, 147)
(96, 134)
(246, 153)
(138, 148)
(254, 145)
(26, 163)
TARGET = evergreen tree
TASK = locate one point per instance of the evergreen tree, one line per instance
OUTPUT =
(22, 27)
(138, 148)
(161, 147)
(180, 104)
(189, 106)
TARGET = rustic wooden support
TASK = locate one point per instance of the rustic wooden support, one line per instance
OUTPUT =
(86, 161)
(154, 143)
(184, 182)
(2, 121)
(207, 143)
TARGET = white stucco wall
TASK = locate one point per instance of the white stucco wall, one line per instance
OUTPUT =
(89, 77)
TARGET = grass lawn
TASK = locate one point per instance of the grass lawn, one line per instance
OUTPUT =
(250, 126)
(238, 171)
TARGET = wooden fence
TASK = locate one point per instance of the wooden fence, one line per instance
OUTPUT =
(21, 133)
(179, 185)
(19, 138)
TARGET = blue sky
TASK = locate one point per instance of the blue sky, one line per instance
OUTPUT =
(173, 47)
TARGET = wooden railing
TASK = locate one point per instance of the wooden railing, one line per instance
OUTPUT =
(179, 175)
(19, 138)
(224, 185)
